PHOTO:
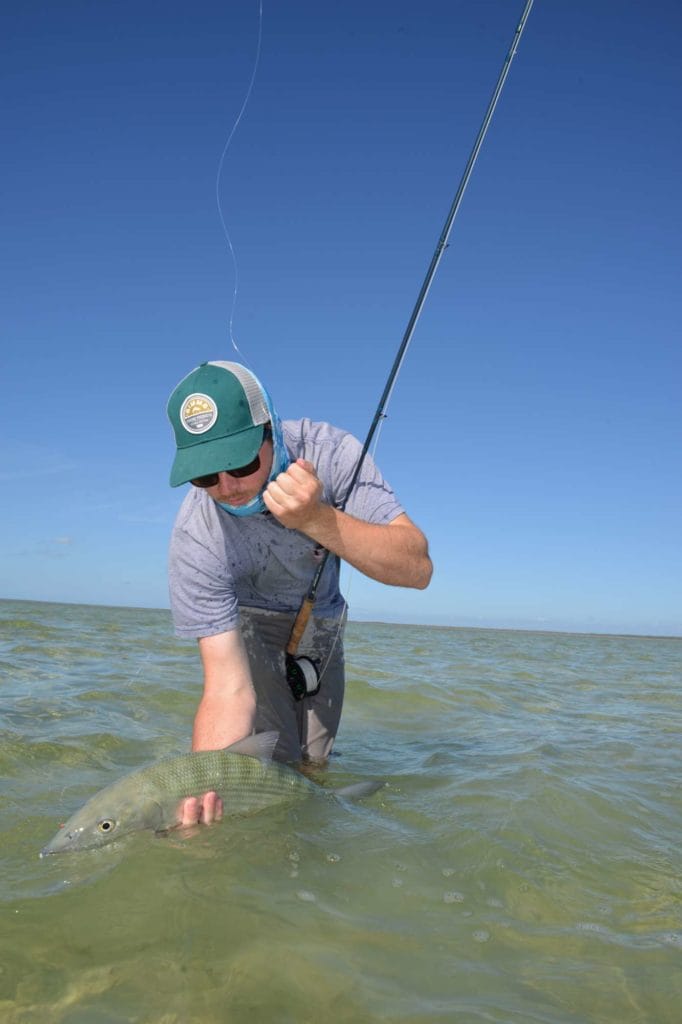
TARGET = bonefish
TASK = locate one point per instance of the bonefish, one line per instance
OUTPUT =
(243, 775)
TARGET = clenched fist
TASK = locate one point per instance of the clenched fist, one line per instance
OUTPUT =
(294, 497)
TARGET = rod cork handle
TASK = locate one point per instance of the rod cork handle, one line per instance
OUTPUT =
(299, 625)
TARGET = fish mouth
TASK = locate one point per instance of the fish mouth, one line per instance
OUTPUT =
(53, 847)
(50, 849)
(63, 842)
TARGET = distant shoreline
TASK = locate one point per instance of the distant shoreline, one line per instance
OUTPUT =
(381, 622)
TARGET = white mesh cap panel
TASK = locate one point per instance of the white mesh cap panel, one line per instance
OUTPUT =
(252, 389)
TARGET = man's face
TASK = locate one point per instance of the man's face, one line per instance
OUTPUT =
(241, 490)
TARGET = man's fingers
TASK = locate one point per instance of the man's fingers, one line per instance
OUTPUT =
(304, 466)
(206, 809)
(299, 472)
(297, 483)
(189, 811)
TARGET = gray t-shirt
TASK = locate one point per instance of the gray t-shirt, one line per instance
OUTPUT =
(219, 561)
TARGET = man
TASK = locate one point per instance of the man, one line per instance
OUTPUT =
(247, 540)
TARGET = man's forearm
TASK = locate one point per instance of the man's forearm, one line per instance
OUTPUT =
(396, 553)
(227, 710)
(220, 721)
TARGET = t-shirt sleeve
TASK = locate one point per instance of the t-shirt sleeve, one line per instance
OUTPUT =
(372, 498)
(202, 595)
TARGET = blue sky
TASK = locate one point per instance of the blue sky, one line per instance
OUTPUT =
(534, 433)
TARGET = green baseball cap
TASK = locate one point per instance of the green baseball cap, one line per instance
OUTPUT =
(217, 412)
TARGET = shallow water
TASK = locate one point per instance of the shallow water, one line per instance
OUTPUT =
(522, 863)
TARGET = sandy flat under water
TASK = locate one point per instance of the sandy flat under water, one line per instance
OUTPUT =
(522, 863)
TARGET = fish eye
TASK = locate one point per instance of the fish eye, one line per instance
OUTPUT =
(106, 825)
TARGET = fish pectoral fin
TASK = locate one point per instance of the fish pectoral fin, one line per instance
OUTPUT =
(261, 745)
(358, 790)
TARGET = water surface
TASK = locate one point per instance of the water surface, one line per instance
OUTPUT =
(521, 865)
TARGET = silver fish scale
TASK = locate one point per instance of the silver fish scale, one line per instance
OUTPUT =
(243, 783)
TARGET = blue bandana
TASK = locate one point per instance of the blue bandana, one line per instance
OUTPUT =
(280, 462)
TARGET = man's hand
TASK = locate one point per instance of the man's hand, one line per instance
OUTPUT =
(201, 810)
(294, 497)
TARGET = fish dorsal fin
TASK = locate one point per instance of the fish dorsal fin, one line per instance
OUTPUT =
(261, 745)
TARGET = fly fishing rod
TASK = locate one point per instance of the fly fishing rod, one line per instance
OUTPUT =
(302, 674)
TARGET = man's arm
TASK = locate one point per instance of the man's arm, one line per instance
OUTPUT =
(226, 711)
(227, 708)
(396, 553)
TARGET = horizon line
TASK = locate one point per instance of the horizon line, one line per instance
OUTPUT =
(384, 622)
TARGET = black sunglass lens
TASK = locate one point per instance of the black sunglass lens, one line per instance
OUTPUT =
(245, 470)
(210, 480)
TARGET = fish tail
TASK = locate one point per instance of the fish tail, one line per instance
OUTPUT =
(358, 790)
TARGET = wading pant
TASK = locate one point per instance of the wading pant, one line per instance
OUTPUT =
(307, 728)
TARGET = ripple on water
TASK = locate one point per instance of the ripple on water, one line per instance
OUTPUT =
(520, 864)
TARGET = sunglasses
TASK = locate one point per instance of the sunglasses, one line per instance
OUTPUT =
(211, 479)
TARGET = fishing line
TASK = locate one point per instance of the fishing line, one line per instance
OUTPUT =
(219, 172)
(298, 676)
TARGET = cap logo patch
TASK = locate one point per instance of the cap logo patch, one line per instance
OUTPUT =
(198, 414)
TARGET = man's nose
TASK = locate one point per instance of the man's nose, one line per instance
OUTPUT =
(225, 483)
